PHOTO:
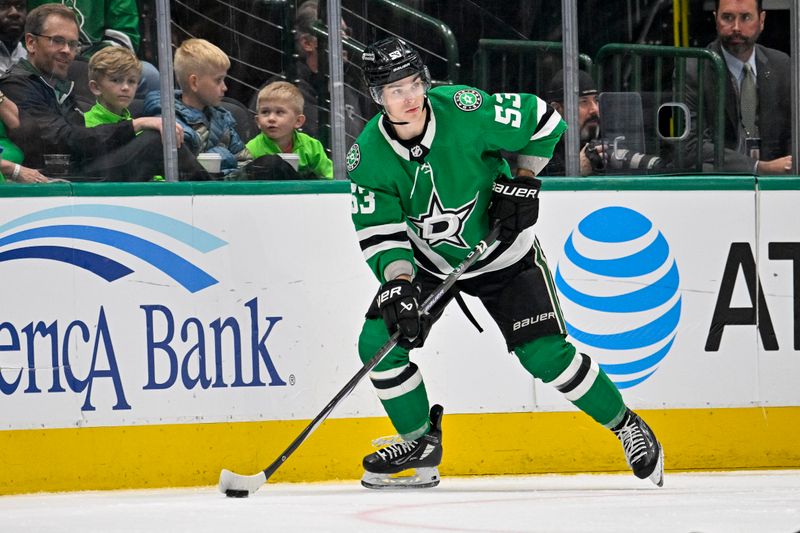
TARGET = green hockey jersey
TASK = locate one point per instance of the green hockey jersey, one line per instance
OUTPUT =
(427, 204)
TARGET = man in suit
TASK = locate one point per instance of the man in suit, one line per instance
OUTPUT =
(759, 147)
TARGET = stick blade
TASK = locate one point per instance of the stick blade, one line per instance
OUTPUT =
(235, 485)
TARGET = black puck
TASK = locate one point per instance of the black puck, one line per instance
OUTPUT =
(233, 493)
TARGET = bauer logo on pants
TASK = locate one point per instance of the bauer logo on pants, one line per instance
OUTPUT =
(617, 270)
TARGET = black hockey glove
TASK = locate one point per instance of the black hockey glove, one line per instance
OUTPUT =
(515, 204)
(397, 301)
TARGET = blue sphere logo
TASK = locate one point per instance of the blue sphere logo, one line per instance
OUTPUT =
(618, 283)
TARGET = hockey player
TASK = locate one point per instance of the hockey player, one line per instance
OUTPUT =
(427, 182)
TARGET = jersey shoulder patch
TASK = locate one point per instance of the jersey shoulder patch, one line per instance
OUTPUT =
(353, 157)
(467, 99)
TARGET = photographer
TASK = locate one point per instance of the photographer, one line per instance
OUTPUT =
(597, 155)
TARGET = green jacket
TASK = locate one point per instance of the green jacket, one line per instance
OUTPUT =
(96, 16)
(312, 154)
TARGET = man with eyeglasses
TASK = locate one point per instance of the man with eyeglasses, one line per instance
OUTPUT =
(51, 122)
(103, 23)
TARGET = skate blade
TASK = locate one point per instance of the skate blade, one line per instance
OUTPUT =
(422, 478)
(657, 476)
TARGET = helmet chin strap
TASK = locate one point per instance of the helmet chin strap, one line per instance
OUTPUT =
(392, 122)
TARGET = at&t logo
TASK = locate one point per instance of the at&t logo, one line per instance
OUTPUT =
(618, 284)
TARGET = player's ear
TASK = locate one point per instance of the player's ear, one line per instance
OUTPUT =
(301, 119)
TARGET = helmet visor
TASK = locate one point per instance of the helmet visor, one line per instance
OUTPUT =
(407, 88)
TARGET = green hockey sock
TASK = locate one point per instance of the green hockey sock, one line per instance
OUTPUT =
(555, 361)
(397, 381)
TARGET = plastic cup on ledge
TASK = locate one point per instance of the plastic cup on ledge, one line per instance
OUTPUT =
(210, 161)
(56, 165)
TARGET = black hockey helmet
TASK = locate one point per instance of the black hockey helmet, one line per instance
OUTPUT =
(389, 60)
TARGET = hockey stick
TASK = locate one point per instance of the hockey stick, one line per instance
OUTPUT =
(239, 486)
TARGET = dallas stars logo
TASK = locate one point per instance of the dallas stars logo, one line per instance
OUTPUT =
(467, 99)
(353, 158)
(440, 225)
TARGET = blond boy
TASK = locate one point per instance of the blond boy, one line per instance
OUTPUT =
(113, 78)
(200, 69)
(279, 114)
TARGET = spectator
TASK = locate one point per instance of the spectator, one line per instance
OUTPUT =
(588, 120)
(109, 23)
(280, 114)
(113, 77)
(52, 124)
(10, 154)
(314, 84)
(759, 144)
(200, 68)
(12, 22)
(597, 155)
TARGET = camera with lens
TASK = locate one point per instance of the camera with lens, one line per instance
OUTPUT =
(606, 157)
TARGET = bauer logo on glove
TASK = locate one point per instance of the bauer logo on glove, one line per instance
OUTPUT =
(397, 301)
(515, 205)
(515, 191)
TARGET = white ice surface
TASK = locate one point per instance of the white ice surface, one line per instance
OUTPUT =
(729, 502)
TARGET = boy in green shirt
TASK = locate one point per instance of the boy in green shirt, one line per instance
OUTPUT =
(279, 115)
(113, 77)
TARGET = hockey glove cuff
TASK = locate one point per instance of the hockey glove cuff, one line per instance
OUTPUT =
(515, 204)
(397, 301)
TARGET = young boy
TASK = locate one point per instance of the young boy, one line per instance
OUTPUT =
(113, 78)
(200, 68)
(279, 115)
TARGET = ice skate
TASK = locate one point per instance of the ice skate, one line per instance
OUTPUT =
(423, 455)
(643, 452)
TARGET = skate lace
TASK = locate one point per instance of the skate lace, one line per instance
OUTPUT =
(396, 450)
(633, 442)
(380, 442)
